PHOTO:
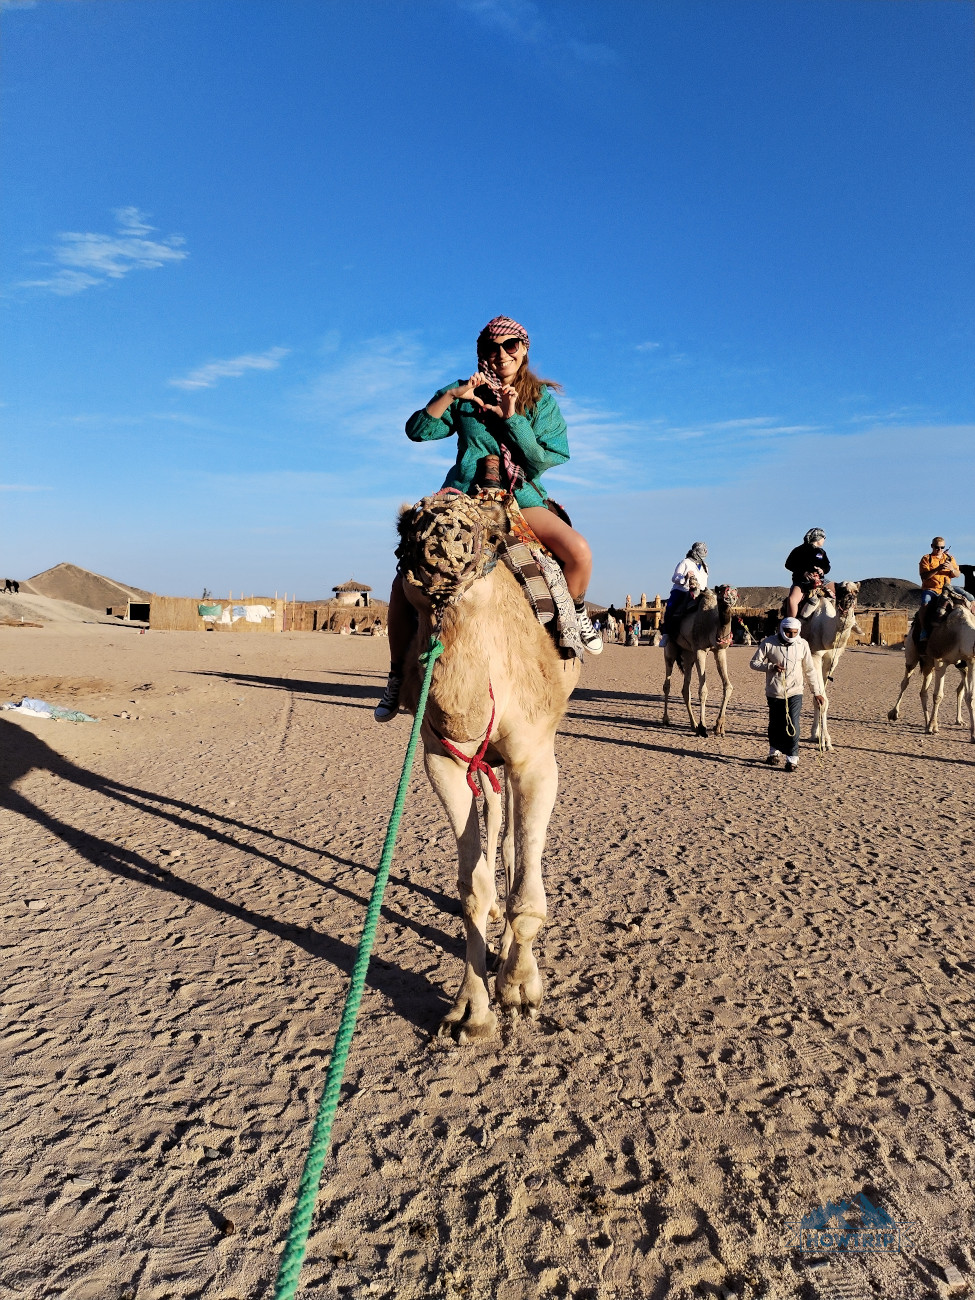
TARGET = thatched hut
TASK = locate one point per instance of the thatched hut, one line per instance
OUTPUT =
(351, 609)
(352, 593)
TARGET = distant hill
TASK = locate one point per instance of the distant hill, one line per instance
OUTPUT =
(875, 593)
(761, 597)
(82, 587)
(889, 593)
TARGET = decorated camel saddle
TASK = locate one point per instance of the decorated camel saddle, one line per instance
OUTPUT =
(934, 613)
(449, 540)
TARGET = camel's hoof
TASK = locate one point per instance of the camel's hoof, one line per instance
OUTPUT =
(464, 1031)
(520, 999)
(701, 731)
(892, 715)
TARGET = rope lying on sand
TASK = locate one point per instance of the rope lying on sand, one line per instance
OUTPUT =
(301, 1217)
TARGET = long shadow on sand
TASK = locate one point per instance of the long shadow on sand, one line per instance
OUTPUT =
(670, 750)
(21, 752)
(334, 691)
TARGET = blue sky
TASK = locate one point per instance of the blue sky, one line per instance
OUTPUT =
(244, 239)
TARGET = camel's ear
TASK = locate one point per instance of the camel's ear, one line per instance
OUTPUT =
(403, 509)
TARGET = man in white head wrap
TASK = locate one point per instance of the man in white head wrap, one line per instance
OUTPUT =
(786, 660)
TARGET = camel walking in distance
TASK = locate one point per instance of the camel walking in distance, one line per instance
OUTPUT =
(827, 624)
(705, 628)
(499, 691)
(951, 641)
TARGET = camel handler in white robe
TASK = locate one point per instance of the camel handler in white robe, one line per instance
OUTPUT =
(785, 659)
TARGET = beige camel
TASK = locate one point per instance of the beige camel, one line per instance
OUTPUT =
(493, 645)
(950, 642)
(828, 622)
(706, 627)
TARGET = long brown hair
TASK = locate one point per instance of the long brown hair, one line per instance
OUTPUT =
(529, 387)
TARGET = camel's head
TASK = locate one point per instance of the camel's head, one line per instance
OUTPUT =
(846, 596)
(447, 541)
(727, 595)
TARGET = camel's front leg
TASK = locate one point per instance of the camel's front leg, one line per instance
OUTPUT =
(931, 719)
(968, 682)
(534, 782)
(669, 665)
(820, 729)
(894, 713)
(492, 833)
(721, 659)
(508, 858)
(471, 1016)
(960, 697)
(818, 735)
(700, 658)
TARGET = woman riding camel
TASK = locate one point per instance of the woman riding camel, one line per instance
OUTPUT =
(502, 410)
(809, 565)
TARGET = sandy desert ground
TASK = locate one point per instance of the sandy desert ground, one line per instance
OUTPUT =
(759, 990)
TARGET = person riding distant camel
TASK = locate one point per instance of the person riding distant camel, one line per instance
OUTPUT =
(507, 411)
(690, 578)
(937, 570)
(809, 565)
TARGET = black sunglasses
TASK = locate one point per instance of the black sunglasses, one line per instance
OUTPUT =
(510, 346)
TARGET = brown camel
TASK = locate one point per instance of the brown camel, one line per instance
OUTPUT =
(493, 646)
(951, 641)
(706, 627)
(828, 622)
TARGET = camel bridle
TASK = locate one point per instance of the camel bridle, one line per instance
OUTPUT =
(446, 545)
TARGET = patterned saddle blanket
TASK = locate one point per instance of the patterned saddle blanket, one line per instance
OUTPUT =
(540, 577)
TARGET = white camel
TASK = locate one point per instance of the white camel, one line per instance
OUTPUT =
(706, 627)
(827, 624)
(951, 641)
(499, 691)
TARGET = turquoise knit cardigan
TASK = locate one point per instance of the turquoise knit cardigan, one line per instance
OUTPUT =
(537, 441)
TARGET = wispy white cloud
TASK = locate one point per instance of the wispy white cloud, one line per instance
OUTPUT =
(755, 426)
(647, 347)
(524, 21)
(368, 389)
(24, 487)
(210, 374)
(87, 259)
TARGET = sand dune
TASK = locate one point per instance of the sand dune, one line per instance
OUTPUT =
(759, 990)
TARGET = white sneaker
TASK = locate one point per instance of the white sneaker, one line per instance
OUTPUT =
(590, 637)
(388, 706)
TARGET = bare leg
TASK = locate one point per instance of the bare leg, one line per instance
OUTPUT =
(570, 547)
(795, 598)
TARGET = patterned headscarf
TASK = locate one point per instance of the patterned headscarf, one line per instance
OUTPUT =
(502, 327)
(814, 536)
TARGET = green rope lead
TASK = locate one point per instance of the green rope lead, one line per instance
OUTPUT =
(301, 1217)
